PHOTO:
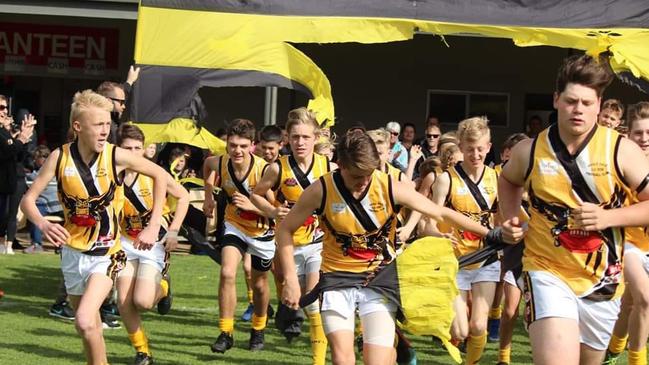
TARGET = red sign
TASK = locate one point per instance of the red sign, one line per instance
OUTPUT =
(54, 49)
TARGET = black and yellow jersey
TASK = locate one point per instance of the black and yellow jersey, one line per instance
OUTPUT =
(252, 224)
(396, 174)
(137, 208)
(92, 197)
(359, 234)
(476, 200)
(291, 183)
(637, 236)
(556, 181)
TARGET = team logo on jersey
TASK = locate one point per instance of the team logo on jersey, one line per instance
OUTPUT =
(338, 207)
(548, 167)
(101, 172)
(488, 189)
(290, 182)
(145, 192)
(377, 207)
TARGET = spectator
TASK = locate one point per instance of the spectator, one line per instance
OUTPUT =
(408, 135)
(118, 94)
(47, 202)
(13, 142)
(398, 154)
(429, 145)
(534, 126)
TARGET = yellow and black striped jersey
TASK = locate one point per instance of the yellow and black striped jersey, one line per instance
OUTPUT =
(396, 174)
(360, 234)
(556, 181)
(291, 184)
(250, 223)
(637, 236)
(476, 200)
(92, 196)
(137, 208)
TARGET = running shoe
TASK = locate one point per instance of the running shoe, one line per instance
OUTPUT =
(256, 342)
(62, 310)
(223, 343)
(142, 358)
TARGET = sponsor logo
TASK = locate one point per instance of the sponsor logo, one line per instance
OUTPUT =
(377, 207)
(290, 182)
(101, 172)
(338, 207)
(461, 190)
(598, 169)
(69, 171)
(548, 167)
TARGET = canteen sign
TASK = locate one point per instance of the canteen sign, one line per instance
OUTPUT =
(58, 50)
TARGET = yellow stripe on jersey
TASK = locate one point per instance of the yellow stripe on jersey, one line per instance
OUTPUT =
(92, 197)
(588, 262)
(461, 198)
(250, 223)
(292, 182)
(359, 234)
(137, 208)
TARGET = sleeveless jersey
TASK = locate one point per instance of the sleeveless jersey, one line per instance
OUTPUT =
(393, 171)
(137, 208)
(252, 224)
(638, 236)
(476, 200)
(359, 234)
(92, 197)
(291, 184)
(588, 262)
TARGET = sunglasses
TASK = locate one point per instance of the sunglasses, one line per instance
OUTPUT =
(120, 101)
(394, 133)
(432, 135)
(3, 107)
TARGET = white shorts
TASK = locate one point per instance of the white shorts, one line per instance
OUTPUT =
(548, 296)
(489, 273)
(510, 279)
(345, 301)
(307, 258)
(77, 268)
(631, 249)
(261, 247)
(156, 256)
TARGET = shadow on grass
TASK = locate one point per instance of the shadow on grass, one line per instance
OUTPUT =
(54, 352)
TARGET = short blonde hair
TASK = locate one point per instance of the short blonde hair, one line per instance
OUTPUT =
(380, 136)
(323, 145)
(472, 129)
(302, 116)
(86, 99)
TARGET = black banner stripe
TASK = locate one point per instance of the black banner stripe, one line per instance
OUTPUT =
(163, 93)
(537, 13)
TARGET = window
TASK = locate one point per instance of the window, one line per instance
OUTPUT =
(452, 106)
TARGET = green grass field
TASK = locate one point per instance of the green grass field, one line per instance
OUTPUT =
(28, 335)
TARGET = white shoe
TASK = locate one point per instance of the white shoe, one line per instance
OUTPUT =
(2, 250)
(9, 250)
